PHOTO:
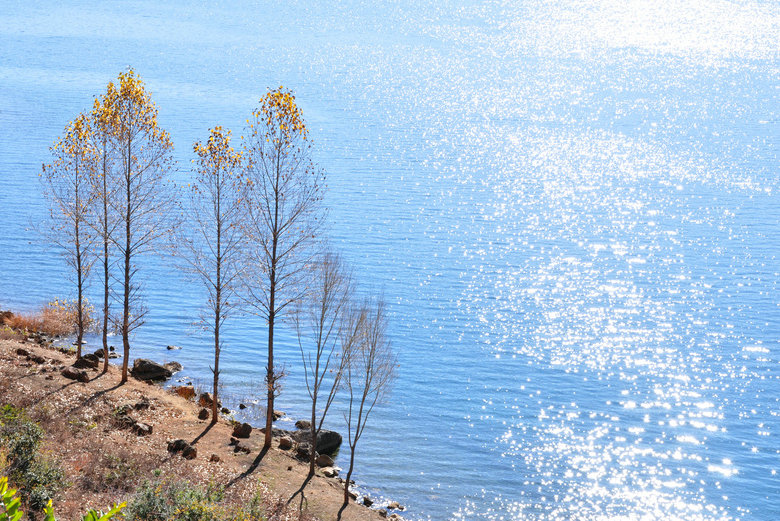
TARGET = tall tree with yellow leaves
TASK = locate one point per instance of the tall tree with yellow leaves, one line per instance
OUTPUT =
(145, 197)
(212, 250)
(67, 188)
(282, 200)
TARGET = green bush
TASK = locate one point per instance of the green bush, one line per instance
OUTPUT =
(163, 500)
(11, 507)
(37, 477)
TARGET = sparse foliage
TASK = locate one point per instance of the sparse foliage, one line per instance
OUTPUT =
(145, 199)
(369, 376)
(67, 188)
(282, 203)
(326, 338)
(212, 251)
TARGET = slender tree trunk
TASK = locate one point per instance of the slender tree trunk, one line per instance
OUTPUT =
(313, 455)
(80, 284)
(126, 303)
(347, 482)
(105, 260)
(269, 417)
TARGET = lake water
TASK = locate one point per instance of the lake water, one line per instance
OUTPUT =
(572, 208)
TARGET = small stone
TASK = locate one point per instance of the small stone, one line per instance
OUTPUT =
(382, 512)
(205, 400)
(142, 429)
(367, 501)
(289, 467)
(303, 451)
(241, 406)
(278, 415)
(394, 505)
(37, 359)
(323, 460)
(352, 495)
(224, 410)
(330, 472)
(22, 352)
(242, 430)
(142, 404)
(214, 458)
(173, 348)
(203, 414)
(241, 448)
(395, 517)
(173, 367)
(233, 441)
(303, 425)
(285, 443)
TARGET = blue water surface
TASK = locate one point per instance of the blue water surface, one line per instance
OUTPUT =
(572, 208)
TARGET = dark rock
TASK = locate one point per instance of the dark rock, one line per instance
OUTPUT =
(205, 400)
(242, 430)
(352, 495)
(37, 359)
(50, 377)
(241, 406)
(382, 512)
(303, 451)
(187, 451)
(144, 369)
(22, 352)
(142, 429)
(233, 441)
(328, 442)
(142, 404)
(215, 459)
(111, 349)
(173, 367)
(367, 501)
(394, 505)
(303, 425)
(225, 410)
(98, 353)
(323, 460)
(203, 414)
(241, 448)
(114, 355)
(278, 415)
(75, 374)
(395, 517)
(285, 443)
(89, 361)
(173, 348)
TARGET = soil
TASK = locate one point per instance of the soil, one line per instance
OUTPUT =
(105, 461)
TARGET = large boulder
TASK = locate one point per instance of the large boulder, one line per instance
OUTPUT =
(242, 430)
(75, 374)
(186, 450)
(90, 361)
(144, 369)
(328, 442)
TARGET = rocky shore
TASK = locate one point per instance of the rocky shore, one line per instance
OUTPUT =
(160, 431)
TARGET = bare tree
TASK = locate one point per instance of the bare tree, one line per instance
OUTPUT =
(282, 201)
(67, 188)
(212, 252)
(145, 197)
(103, 221)
(368, 378)
(326, 337)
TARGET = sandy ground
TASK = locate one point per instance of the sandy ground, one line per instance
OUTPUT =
(82, 433)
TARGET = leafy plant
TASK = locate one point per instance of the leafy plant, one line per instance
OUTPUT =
(11, 505)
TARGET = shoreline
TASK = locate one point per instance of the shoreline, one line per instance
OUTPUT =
(36, 377)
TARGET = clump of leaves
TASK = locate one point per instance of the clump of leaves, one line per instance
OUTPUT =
(10, 505)
(163, 500)
(38, 477)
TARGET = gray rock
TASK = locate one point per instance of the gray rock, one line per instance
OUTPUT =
(303, 425)
(394, 505)
(303, 451)
(144, 369)
(278, 415)
(173, 367)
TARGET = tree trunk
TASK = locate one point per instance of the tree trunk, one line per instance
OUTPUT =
(126, 303)
(105, 260)
(347, 481)
(269, 417)
(214, 408)
(80, 303)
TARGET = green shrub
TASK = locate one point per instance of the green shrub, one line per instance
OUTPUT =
(11, 507)
(163, 500)
(37, 477)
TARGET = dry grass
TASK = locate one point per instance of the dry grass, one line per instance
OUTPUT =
(57, 318)
(7, 333)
